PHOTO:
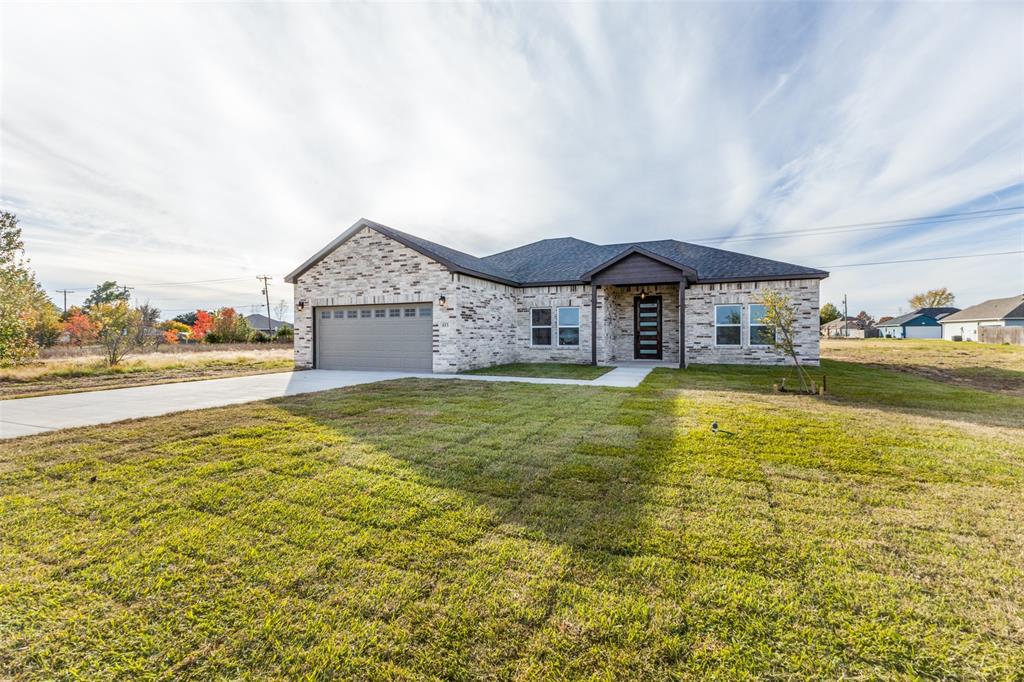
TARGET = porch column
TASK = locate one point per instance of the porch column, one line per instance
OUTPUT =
(593, 323)
(682, 324)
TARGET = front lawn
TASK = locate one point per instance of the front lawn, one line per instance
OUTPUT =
(550, 370)
(467, 530)
(72, 375)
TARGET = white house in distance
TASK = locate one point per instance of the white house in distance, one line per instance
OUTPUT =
(996, 312)
(923, 323)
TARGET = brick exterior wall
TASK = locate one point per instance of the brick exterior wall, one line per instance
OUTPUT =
(701, 300)
(370, 268)
(619, 321)
(554, 298)
(486, 331)
(484, 323)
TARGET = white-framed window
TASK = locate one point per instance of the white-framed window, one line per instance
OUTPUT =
(409, 312)
(394, 312)
(728, 319)
(325, 314)
(568, 326)
(760, 335)
(426, 312)
(540, 326)
(353, 314)
(339, 314)
(380, 312)
(364, 313)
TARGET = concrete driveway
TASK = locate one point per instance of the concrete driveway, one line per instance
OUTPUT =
(26, 416)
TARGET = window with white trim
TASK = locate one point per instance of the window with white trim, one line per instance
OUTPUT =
(568, 326)
(727, 325)
(540, 326)
(760, 334)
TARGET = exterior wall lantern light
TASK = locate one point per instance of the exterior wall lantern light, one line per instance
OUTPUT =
(441, 301)
(302, 305)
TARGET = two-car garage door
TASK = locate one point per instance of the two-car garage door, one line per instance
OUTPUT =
(375, 337)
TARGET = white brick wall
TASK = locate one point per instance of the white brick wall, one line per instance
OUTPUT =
(553, 298)
(619, 321)
(370, 268)
(484, 323)
(701, 300)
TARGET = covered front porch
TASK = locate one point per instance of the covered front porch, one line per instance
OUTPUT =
(638, 324)
(639, 310)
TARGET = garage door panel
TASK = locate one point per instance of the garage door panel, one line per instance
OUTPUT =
(375, 337)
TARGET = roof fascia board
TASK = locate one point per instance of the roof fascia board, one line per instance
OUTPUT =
(761, 278)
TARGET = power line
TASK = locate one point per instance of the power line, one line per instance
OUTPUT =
(922, 260)
(65, 292)
(877, 225)
(198, 281)
(266, 292)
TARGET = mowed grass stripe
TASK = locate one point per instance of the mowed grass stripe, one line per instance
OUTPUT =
(465, 530)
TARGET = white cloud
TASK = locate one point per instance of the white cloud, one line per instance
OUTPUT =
(154, 143)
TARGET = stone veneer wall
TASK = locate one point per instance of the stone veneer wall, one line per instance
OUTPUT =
(370, 268)
(701, 300)
(616, 344)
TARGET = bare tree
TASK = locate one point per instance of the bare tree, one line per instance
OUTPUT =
(280, 309)
(780, 322)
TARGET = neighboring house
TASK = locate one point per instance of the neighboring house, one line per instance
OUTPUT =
(996, 312)
(852, 328)
(922, 323)
(260, 322)
(379, 298)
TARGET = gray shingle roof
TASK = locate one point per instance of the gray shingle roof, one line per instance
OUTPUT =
(934, 313)
(901, 320)
(566, 260)
(1009, 308)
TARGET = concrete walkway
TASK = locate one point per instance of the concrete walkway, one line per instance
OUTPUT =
(26, 416)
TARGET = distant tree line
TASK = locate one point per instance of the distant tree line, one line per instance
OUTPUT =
(29, 320)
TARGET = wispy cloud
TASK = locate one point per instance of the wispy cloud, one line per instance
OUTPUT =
(155, 143)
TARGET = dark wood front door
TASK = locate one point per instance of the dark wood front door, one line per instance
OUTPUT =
(647, 327)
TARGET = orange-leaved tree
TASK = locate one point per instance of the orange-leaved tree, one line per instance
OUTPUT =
(79, 328)
(173, 330)
(202, 325)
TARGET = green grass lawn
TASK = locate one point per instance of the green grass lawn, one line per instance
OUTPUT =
(551, 370)
(464, 530)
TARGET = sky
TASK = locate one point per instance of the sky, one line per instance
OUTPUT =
(185, 149)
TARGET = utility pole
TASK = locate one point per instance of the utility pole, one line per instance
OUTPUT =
(65, 292)
(266, 292)
(846, 318)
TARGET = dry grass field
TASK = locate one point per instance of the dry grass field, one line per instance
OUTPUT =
(978, 365)
(69, 375)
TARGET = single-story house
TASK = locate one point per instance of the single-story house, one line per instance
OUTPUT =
(851, 328)
(378, 298)
(922, 323)
(996, 312)
(263, 323)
